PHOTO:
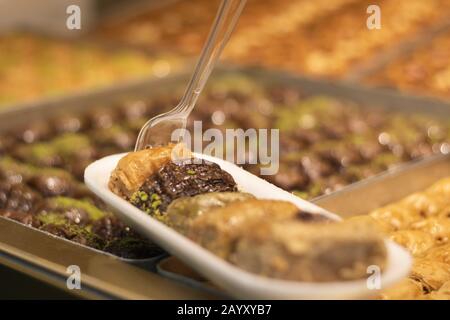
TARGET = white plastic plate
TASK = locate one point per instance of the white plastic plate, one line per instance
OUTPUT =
(237, 282)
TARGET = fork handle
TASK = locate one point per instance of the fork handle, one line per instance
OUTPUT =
(224, 24)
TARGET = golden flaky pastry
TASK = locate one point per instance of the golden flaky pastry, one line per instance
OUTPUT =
(133, 169)
(432, 274)
(426, 204)
(218, 230)
(440, 253)
(438, 227)
(416, 241)
(381, 225)
(398, 216)
(421, 223)
(442, 186)
(407, 289)
(442, 294)
(299, 251)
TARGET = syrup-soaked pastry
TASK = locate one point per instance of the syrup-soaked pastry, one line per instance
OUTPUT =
(342, 155)
(134, 110)
(14, 172)
(101, 118)
(416, 241)
(57, 152)
(445, 212)
(360, 172)
(310, 252)
(64, 145)
(35, 132)
(6, 143)
(426, 204)
(115, 136)
(49, 182)
(55, 216)
(381, 225)
(52, 184)
(370, 149)
(136, 167)
(317, 168)
(422, 71)
(69, 123)
(431, 273)
(183, 211)
(39, 154)
(132, 247)
(75, 211)
(74, 233)
(218, 230)
(23, 217)
(440, 253)
(5, 189)
(438, 227)
(407, 289)
(84, 223)
(441, 187)
(77, 168)
(420, 223)
(334, 183)
(249, 232)
(397, 216)
(290, 177)
(110, 227)
(18, 197)
(120, 240)
(175, 180)
(442, 294)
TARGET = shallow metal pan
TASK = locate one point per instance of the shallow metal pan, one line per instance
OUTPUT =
(403, 51)
(369, 194)
(46, 258)
(16, 115)
(357, 199)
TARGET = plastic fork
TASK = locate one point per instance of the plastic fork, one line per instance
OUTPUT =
(160, 129)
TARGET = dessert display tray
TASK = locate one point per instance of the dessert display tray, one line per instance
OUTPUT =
(376, 191)
(415, 73)
(47, 257)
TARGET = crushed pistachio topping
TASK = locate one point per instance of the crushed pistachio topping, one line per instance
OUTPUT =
(93, 212)
(149, 203)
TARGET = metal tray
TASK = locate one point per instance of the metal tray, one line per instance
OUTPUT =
(404, 47)
(46, 258)
(359, 70)
(386, 188)
(377, 191)
(174, 269)
(402, 51)
(147, 263)
(36, 253)
(151, 53)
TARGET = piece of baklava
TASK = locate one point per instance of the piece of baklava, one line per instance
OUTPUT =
(294, 250)
(133, 169)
